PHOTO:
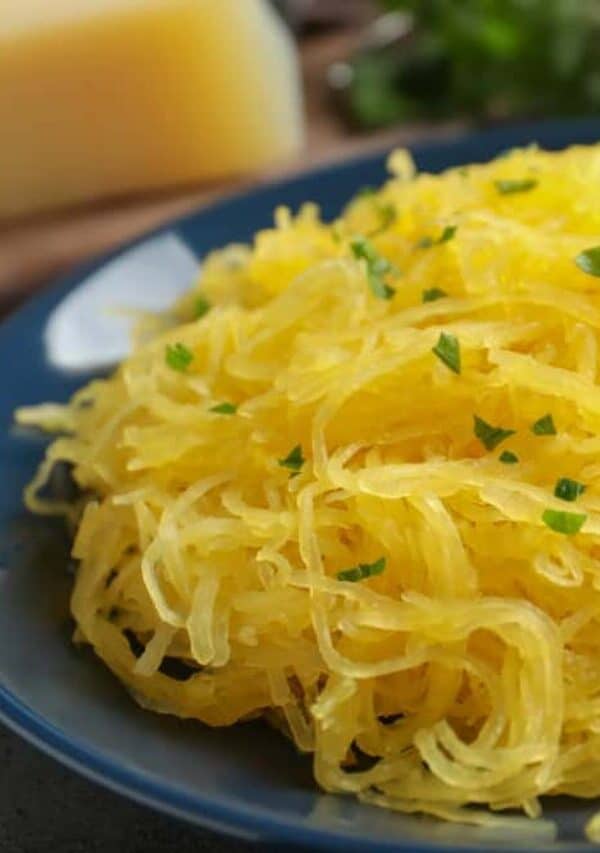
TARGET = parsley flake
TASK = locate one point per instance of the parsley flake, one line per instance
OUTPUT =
(589, 261)
(568, 490)
(201, 307)
(362, 571)
(508, 457)
(387, 216)
(507, 186)
(385, 210)
(178, 357)
(224, 409)
(544, 426)
(446, 235)
(377, 267)
(447, 350)
(433, 293)
(294, 460)
(568, 523)
(490, 436)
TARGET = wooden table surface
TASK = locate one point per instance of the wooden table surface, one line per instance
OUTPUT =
(33, 252)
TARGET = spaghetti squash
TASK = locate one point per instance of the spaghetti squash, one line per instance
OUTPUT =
(353, 484)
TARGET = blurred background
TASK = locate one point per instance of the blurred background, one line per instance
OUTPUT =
(119, 114)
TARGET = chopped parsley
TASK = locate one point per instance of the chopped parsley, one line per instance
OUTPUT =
(225, 409)
(544, 426)
(362, 571)
(490, 436)
(385, 210)
(377, 267)
(563, 522)
(433, 293)
(446, 235)
(447, 350)
(508, 457)
(387, 216)
(201, 307)
(178, 357)
(507, 186)
(589, 261)
(294, 460)
(568, 490)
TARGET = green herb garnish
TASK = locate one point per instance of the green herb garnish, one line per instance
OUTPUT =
(446, 235)
(507, 186)
(201, 307)
(386, 211)
(433, 293)
(490, 436)
(508, 457)
(377, 267)
(563, 522)
(544, 426)
(294, 460)
(224, 409)
(178, 357)
(447, 350)
(362, 571)
(387, 215)
(589, 261)
(568, 490)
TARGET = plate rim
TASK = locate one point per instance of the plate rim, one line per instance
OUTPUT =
(249, 823)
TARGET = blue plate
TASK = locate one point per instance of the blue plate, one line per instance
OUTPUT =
(248, 780)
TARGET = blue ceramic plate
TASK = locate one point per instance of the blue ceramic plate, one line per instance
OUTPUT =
(248, 780)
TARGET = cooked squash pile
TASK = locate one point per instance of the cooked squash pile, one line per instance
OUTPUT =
(353, 484)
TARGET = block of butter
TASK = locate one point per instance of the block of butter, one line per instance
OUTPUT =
(106, 97)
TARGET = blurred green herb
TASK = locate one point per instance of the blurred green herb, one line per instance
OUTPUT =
(490, 436)
(362, 571)
(508, 186)
(589, 261)
(293, 461)
(544, 426)
(447, 350)
(433, 293)
(446, 235)
(483, 58)
(224, 409)
(568, 523)
(201, 307)
(178, 357)
(377, 267)
(387, 216)
(568, 490)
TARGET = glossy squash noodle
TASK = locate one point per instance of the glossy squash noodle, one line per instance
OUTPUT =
(352, 484)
